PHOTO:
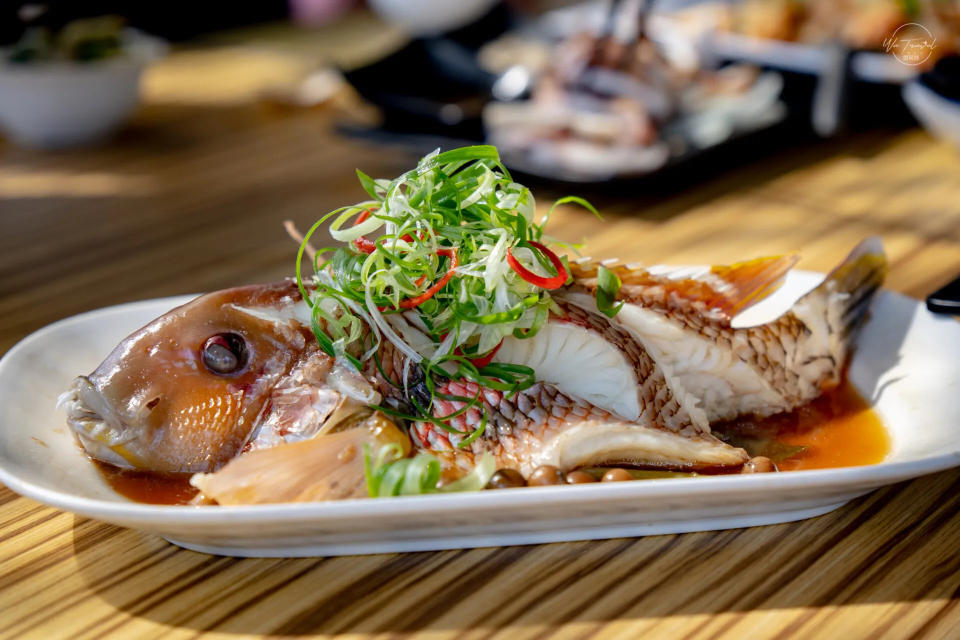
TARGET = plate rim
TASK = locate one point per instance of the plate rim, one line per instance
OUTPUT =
(865, 477)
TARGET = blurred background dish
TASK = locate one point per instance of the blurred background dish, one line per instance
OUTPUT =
(570, 91)
(430, 17)
(604, 108)
(74, 83)
(599, 91)
(586, 93)
(934, 98)
(923, 30)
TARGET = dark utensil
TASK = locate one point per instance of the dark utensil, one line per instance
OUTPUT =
(830, 99)
(606, 32)
(946, 299)
(435, 85)
(944, 78)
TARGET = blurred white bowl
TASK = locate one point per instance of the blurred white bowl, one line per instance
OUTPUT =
(430, 17)
(939, 115)
(65, 104)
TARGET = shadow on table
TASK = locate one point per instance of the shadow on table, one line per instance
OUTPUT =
(895, 545)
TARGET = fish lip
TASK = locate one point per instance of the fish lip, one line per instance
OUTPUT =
(72, 402)
(100, 433)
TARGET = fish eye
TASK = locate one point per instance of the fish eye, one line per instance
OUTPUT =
(225, 353)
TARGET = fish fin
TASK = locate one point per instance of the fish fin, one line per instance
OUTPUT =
(726, 290)
(751, 281)
(857, 278)
(604, 442)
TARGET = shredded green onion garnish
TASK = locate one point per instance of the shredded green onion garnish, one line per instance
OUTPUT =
(433, 245)
(463, 200)
(393, 475)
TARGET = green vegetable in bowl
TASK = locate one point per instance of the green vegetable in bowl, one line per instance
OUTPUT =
(84, 40)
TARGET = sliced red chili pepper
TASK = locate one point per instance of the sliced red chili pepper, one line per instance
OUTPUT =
(410, 303)
(450, 252)
(553, 282)
(362, 244)
(480, 363)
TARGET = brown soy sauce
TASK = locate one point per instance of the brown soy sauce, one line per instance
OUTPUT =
(149, 487)
(838, 429)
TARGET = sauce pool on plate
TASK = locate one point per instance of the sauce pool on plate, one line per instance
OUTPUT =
(145, 486)
(838, 429)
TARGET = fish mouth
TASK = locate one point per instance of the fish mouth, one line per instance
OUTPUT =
(99, 430)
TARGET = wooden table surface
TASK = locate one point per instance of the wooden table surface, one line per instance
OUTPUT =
(191, 197)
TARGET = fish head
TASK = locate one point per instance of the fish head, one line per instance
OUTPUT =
(183, 393)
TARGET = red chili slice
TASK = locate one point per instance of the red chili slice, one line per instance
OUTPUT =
(362, 244)
(553, 282)
(450, 252)
(410, 303)
(480, 363)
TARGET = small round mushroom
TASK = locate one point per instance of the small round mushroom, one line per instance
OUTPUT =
(759, 464)
(545, 475)
(506, 479)
(617, 475)
(580, 477)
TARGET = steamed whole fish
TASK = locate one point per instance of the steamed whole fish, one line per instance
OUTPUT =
(644, 386)
(238, 371)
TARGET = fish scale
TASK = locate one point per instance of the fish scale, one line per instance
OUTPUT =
(754, 345)
(658, 405)
(517, 428)
(762, 347)
(783, 353)
(542, 403)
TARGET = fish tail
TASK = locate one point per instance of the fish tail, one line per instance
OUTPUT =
(751, 281)
(856, 279)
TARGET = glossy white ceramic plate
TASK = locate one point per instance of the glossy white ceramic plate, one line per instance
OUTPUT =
(908, 363)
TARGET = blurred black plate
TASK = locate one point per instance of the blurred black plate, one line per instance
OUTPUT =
(687, 166)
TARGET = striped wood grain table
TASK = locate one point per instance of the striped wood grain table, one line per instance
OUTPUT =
(191, 198)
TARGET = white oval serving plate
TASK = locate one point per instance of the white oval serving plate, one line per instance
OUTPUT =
(907, 363)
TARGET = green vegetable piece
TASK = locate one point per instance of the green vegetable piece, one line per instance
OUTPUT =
(608, 286)
(390, 475)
